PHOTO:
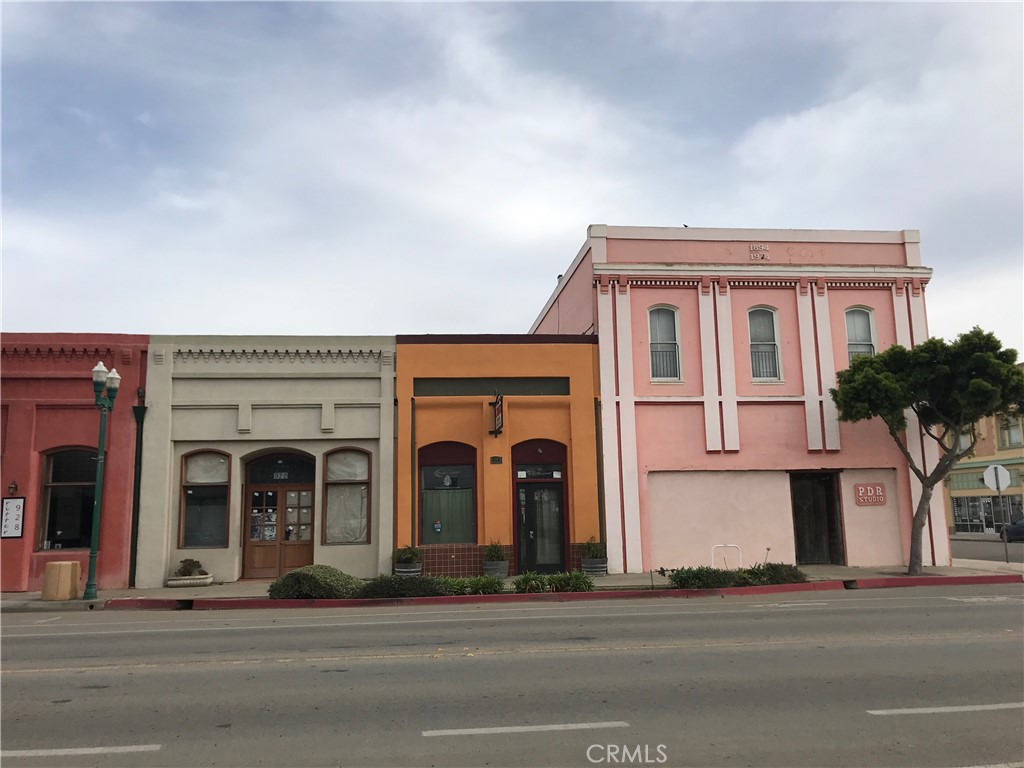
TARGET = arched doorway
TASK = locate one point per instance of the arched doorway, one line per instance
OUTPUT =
(540, 506)
(278, 519)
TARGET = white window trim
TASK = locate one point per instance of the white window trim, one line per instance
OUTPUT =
(650, 341)
(871, 327)
(778, 347)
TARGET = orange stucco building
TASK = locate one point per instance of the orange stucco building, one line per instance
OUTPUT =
(469, 471)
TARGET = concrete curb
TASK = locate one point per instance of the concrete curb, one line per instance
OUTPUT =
(933, 581)
(50, 606)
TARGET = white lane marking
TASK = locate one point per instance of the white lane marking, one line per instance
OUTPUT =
(44, 621)
(1001, 599)
(945, 710)
(79, 751)
(527, 728)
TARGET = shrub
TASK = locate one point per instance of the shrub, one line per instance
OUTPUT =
(403, 586)
(593, 549)
(495, 553)
(483, 585)
(451, 585)
(190, 567)
(776, 573)
(701, 577)
(318, 582)
(574, 581)
(530, 582)
(408, 555)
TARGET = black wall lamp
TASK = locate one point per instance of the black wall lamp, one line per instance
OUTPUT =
(12, 488)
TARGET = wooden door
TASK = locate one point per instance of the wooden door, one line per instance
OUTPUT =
(279, 528)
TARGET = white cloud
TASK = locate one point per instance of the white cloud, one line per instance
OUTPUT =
(344, 168)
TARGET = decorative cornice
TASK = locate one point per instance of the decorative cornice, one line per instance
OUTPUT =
(292, 356)
(802, 282)
(77, 354)
(665, 282)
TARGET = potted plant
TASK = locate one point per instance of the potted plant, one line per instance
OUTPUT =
(408, 561)
(594, 557)
(495, 561)
(190, 574)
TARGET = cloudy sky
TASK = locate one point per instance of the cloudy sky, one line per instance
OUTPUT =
(341, 168)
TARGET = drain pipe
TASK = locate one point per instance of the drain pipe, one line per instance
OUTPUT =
(140, 415)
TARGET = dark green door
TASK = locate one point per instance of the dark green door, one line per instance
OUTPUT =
(540, 527)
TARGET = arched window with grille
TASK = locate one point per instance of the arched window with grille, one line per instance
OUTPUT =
(664, 325)
(764, 346)
(860, 333)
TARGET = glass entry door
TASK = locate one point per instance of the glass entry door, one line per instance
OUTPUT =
(540, 527)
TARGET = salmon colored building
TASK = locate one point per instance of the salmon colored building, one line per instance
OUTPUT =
(717, 347)
(497, 442)
(49, 430)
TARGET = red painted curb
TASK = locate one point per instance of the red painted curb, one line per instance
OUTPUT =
(250, 603)
(768, 589)
(242, 603)
(934, 581)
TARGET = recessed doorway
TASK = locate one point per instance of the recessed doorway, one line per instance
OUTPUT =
(278, 518)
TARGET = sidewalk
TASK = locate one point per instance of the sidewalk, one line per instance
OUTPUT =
(962, 572)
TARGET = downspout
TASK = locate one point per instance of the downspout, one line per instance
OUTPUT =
(412, 474)
(140, 415)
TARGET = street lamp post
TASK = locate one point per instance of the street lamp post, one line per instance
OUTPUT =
(108, 381)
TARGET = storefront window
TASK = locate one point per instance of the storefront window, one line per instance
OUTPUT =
(204, 506)
(70, 486)
(346, 518)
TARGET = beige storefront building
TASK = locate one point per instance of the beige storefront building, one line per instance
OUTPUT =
(266, 453)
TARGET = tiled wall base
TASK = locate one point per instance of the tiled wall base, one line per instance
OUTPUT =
(467, 559)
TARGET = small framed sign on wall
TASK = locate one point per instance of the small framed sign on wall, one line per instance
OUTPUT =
(13, 518)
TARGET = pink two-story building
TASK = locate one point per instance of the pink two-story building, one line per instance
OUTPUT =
(721, 444)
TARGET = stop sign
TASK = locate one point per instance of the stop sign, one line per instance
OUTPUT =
(996, 477)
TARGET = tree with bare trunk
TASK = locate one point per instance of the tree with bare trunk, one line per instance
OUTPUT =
(949, 386)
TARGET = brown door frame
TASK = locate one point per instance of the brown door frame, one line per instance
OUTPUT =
(280, 543)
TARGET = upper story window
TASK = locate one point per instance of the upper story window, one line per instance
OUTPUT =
(964, 439)
(1010, 433)
(204, 500)
(347, 514)
(764, 347)
(664, 344)
(69, 494)
(860, 333)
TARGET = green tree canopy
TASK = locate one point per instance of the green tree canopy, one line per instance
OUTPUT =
(948, 385)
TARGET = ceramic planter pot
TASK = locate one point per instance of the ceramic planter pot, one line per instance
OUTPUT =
(408, 569)
(595, 566)
(190, 581)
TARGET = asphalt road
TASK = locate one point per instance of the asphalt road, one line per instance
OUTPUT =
(806, 679)
(988, 550)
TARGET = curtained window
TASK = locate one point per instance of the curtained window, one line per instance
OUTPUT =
(347, 516)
